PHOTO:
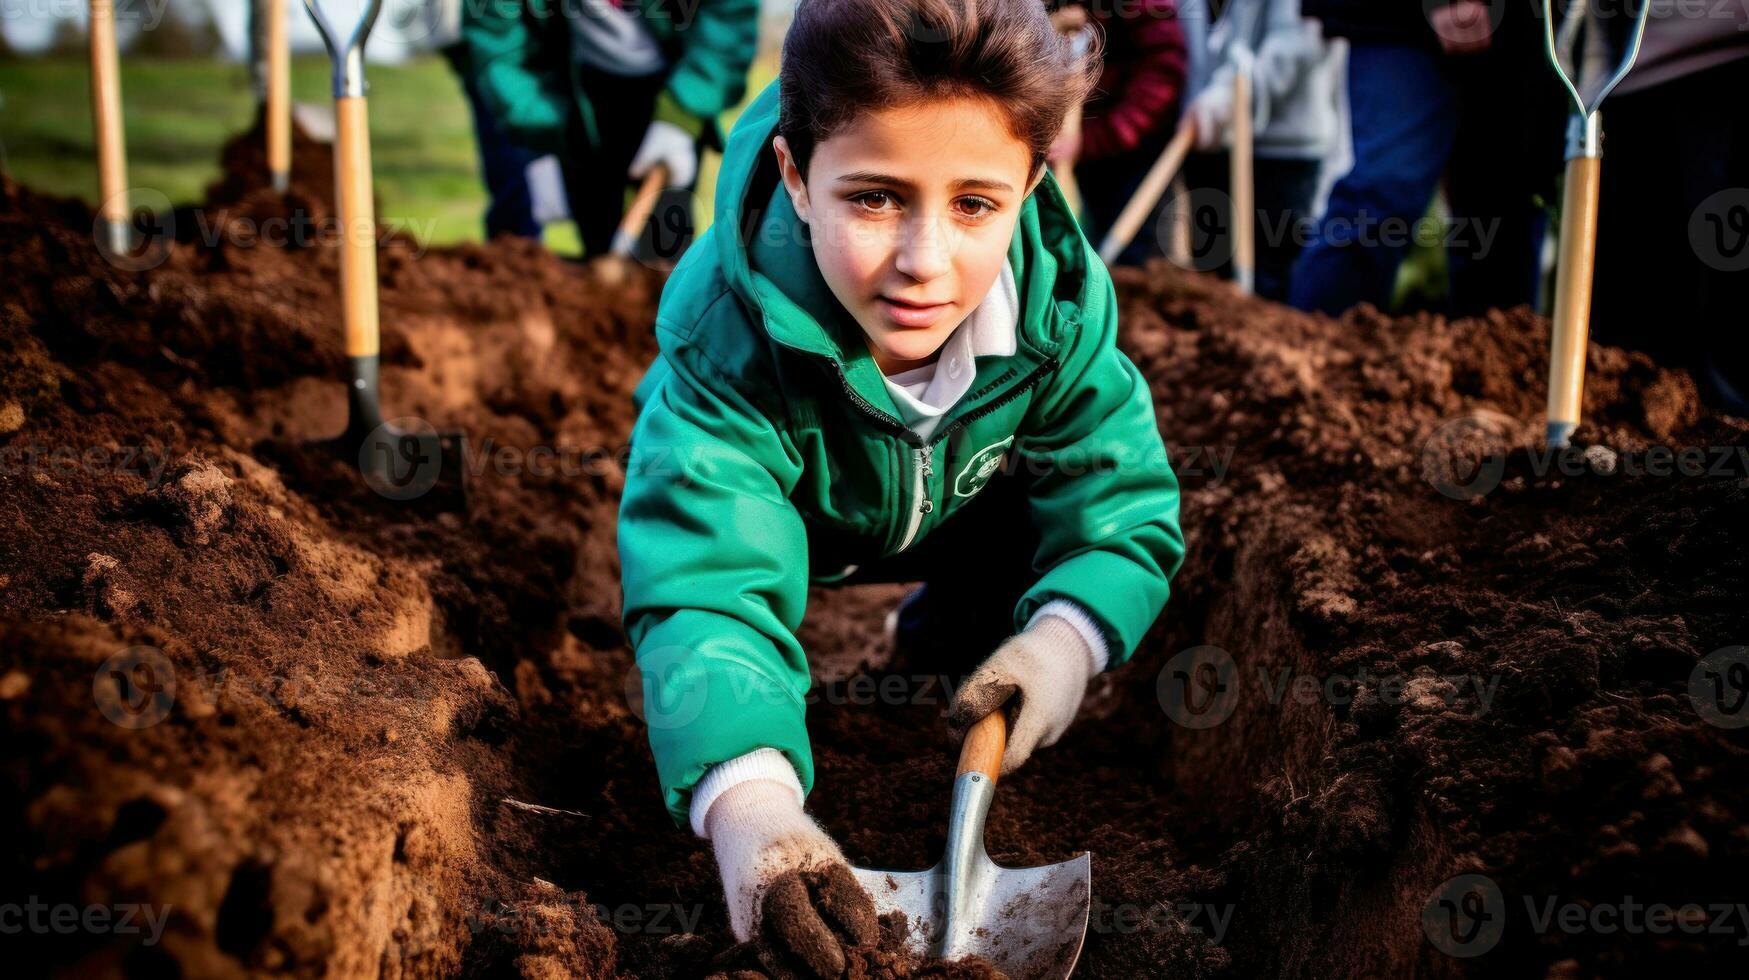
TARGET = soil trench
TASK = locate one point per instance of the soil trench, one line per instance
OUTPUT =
(316, 732)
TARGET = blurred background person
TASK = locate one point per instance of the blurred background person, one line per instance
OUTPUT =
(1673, 210)
(503, 163)
(613, 88)
(1295, 119)
(1460, 90)
(1129, 117)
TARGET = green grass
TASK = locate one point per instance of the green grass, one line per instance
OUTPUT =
(179, 113)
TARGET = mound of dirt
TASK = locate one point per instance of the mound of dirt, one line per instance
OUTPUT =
(308, 730)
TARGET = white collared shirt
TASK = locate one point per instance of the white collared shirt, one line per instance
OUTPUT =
(923, 395)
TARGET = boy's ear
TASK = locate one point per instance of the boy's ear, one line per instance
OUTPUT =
(792, 177)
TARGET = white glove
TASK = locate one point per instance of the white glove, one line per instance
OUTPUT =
(1285, 57)
(666, 143)
(758, 831)
(1212, 112)
(1045, 669)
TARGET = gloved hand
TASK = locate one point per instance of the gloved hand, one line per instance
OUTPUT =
(760, 834)
(1212, 112)
(1044, 669)
(1285, 57)
(666, 143)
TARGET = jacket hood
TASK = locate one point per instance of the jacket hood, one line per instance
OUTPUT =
(769, 263)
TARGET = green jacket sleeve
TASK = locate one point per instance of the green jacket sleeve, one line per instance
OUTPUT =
(708, 541)
(527, 100)
(716, 51)
(1106, 502)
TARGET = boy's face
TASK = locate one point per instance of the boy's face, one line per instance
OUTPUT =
(911, 211)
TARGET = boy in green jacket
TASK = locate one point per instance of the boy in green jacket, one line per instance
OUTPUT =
(892, 357)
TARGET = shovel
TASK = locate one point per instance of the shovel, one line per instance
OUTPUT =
(1576, 255)
(398, 462)
(1239, 177)
(112, 161)
(1148, 192)
(278, 108)
(614, 266)
(1030, 922)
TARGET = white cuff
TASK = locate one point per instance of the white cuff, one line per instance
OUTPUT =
(1075, 616)
(758, 764)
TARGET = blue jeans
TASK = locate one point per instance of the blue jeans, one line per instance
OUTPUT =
(1490, 124)
(509, 209)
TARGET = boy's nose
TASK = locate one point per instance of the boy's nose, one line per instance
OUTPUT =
(926, 252)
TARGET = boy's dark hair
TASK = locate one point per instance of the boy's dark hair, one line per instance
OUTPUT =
(845, 57)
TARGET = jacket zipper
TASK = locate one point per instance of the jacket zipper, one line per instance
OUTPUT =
(925, 454)
(1019, 388)
(923, 504)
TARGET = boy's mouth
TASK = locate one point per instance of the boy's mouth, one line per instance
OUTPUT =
(909, 314)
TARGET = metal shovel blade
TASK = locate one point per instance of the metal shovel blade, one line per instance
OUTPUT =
(1029, 922)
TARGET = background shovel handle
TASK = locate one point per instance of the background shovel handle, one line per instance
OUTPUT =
(1572, 319)
(1148, 193)
(638, 214)
(278, 96)
(358, 240)
(112, 178)
(982, 750)
(1240, 182)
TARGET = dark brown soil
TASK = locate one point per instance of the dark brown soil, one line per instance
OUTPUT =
(307, 766)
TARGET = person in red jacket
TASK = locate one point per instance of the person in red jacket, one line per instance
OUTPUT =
(1130, 116)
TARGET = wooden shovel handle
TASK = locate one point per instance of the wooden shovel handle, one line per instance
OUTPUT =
(1242, 185)
(358, 239)
(112, 176)
(1573, 273)
(636, 216)
(1148, 192)
(982, 750)
(278, 91)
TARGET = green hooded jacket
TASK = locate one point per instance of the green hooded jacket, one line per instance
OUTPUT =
(768, 453)
(519, 54)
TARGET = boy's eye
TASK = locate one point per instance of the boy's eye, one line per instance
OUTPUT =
(976, 207)
(872, 200)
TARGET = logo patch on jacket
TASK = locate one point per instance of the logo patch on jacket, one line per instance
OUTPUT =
(980, 468)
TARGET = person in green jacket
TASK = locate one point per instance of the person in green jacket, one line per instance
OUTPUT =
(891, 358)
(613, 88)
